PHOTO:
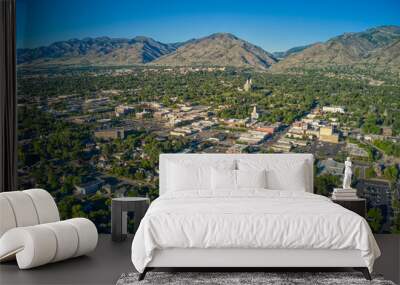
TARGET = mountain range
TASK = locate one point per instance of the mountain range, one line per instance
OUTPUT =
(378, 47)
(97, 51)
(220, 49)
(282, 54)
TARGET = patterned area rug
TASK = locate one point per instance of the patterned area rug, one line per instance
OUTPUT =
(243, 278)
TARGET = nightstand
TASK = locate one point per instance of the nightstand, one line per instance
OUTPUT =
(119, 215)
(357, 205)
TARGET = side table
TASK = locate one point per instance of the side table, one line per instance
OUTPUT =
(357, 205)
(119, 215)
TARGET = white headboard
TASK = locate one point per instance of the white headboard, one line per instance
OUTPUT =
(210, 158)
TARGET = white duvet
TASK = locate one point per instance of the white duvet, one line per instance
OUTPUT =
(250, 219)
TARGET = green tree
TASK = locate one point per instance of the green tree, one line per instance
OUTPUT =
(77, 211)
(395, 228)
(375, 219)
(391, 173)
(324, 184)
(52, 181)
(388, 147)
(370, 172)
(371, 125)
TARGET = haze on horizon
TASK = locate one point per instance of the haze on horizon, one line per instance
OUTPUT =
(272, 25)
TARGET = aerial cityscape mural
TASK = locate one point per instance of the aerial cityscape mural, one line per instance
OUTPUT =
(100, 97)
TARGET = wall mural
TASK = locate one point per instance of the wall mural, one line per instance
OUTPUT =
(95, 113)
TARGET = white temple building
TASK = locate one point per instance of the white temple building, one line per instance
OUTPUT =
(254, 114)
(247, 85)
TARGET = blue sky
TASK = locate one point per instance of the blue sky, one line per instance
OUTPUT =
(273, 25)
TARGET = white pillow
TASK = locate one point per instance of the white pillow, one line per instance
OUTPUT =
(183, 177)
(187, 175)
(223, 179)
(251, 178)
(279, 179)
(284, 174)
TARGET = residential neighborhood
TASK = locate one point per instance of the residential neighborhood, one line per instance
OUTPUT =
(116, 134)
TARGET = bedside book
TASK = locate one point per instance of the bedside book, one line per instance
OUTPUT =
(343, 191)
(344, 194)
(344, 198)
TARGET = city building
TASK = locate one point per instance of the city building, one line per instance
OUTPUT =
(327, 134)
(354, 150)
(236, 148)
(252, 137)
(312, 133)
(176, 121)
(153, 105)
(183, 132)
(282, 146)
(109, 188)
(297, 130)
(97, 105)
(81, 119)
(144, 114)
(269, 129)
(387, 131)
(235, 122)
(247, 85)
(378, 195)
(376, 191)
(186, 108)
(101, 100)
(295, 142)
(89, 187)
(115, 133)
(331, 167)
(123, 110)
(333, 109)
(295, 133)
(161, 114)
(254, 114)
(202, 125)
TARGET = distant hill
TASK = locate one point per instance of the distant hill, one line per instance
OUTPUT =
(387, 57)
(220, 49)
(96, 51)
(283, 54)
(346, 49)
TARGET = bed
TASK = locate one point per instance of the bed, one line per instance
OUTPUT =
(247, 210)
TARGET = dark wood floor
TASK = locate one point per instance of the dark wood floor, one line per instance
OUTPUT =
(389, 262)
(110, 260)
(103, 266)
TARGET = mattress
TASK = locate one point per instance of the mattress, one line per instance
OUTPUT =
(250, 219)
